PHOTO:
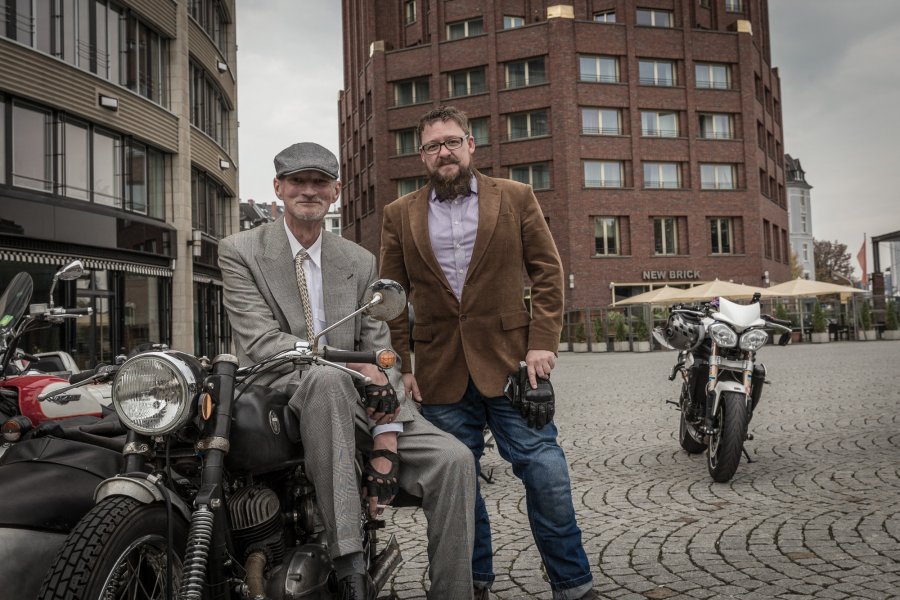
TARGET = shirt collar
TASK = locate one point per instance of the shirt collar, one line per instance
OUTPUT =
(473, 187)
(314, 251)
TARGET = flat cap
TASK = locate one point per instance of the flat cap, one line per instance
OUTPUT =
(306, 156)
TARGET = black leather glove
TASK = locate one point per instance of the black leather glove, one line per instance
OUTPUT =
(381, 398)
(537, 406)
(384, 486)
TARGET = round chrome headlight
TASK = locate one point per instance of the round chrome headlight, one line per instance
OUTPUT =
(153, 392)
(723, 335)
(754, 339)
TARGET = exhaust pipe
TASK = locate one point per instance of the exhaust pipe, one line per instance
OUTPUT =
(385, 564)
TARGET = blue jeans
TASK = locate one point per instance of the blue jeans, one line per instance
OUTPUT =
(540, 463)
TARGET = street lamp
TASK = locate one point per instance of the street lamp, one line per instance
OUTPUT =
(834, 276)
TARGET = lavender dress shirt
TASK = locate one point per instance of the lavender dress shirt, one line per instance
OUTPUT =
(452, 225)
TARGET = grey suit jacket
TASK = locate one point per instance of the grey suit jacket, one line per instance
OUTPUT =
(263, 302)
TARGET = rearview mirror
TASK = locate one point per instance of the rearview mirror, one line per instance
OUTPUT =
(392, 299)
(73, 270)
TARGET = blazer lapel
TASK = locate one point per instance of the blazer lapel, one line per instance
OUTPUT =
(418, 222)
(488, 213)
(276, 262)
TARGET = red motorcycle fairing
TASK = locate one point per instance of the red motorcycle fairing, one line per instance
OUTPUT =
(83, 401)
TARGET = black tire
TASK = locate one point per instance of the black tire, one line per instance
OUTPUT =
(116, 532)
(724, 452)
(687, 433)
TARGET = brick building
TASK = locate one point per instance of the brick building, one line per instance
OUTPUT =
(651, 132)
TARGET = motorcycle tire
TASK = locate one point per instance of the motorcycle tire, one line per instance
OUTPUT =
(118, 550)
(686, 434)
(724, 452)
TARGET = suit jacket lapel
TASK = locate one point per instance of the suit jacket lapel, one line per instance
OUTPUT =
(338, 291)
(488, 212)
(276, 262)
(418, 223)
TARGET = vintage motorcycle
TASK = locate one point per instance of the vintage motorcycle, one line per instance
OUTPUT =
(721, 380)
(213, 500)
(29, 397)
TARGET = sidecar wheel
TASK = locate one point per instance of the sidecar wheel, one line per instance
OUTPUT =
(724, 452)
(686, 433)
(118, 550)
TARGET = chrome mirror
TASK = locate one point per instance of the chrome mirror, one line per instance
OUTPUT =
(385, 299)
(73, 270)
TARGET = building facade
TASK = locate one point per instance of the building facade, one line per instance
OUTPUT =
(651, 132)
(118, 146)
(800, 215)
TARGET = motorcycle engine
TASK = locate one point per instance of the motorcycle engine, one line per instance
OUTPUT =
(257, 523)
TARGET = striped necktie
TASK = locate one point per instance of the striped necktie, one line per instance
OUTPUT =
(304, 293)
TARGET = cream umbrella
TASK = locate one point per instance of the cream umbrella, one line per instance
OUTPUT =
(662, 295)
(805, 288)
(716, 288)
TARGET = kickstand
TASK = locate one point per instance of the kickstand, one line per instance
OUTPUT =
(749, 460)
(488, 443)
(489, 477)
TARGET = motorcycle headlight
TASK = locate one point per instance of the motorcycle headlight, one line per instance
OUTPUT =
(153, 392)
(723, 335)
(754, 339)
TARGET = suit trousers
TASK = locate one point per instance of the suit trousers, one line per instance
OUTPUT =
(434, 466)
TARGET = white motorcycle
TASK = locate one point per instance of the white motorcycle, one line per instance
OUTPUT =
(721, 380)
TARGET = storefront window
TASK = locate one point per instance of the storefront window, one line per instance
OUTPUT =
(142, 311)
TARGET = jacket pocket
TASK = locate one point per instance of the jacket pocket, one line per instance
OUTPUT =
(514, 320)
(421, 333)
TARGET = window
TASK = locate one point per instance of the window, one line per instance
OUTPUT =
(2, 137)
(717, 177)
(713, 76)
(407, 141)
(665, 236)
(480, 130)
(527, 125)
(537, 175)
(464, 29)
(721, 235)
(209, 108)
(210, 205)
(656, 72)
(763, 183)
(605, 16)
(767, 239)
(603, 174)
(654, 18)
(660, 175)
(75, 164)
(659, 124)
(409, 185)
(525, 72)
(601, 121)
(107, 169)
(734, 6)
(410, 9)
(511, 22)
(411, 92)
(145, 69)
(805, 252)
(606, 236)
(213, 19)
(32, 148)
(466, 83)
(604, 69)
(716, 126)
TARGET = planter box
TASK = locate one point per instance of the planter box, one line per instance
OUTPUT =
(642, 346)
(890, 334)
(621, 347)
(579, 346)
(598, 347)
(820, 338)
(866, 335)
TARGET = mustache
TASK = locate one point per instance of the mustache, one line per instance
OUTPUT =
(450, 160)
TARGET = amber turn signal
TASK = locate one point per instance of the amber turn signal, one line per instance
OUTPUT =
(386, 359)
(14, 428)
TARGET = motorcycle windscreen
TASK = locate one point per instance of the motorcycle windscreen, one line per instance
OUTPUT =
(48, 483)
(14, 301)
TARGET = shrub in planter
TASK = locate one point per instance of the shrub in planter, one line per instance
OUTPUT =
(580, 344)
(617, 323)
(819, 326)
(641, 335)
(599, 344)
(891, 323)
(867, 332)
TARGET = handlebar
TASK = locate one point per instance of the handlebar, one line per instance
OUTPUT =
(348, 356)
(774, 321)
(71, 312)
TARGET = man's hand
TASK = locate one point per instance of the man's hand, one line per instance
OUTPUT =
(411, 387)
(380, 481)
(540, 363)
(378, 378)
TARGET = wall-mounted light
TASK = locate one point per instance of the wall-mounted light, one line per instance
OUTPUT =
(109, 102)
(224, 164)
(196, 242)
(571, 281)
(222, 67)
(612, 285)
(765, 278)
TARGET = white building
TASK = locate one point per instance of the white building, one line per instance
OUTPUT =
(800, 215)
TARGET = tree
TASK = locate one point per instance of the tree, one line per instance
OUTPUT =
(796, 267)
(831, 258)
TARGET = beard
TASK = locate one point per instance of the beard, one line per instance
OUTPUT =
(447, 188)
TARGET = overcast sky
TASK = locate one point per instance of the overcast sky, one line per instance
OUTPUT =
(840, 89)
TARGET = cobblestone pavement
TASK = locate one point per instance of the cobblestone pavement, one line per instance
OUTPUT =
(816, 515)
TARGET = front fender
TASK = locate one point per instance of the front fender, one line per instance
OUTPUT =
(727, 386)
(142, 490)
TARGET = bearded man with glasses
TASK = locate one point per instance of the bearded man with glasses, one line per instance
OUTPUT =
(460, 245)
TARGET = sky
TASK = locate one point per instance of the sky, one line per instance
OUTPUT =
(840, 88)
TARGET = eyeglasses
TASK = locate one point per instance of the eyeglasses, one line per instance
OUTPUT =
(454, 143)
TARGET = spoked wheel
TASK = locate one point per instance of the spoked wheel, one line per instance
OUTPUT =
(117, 551)
(724, 452)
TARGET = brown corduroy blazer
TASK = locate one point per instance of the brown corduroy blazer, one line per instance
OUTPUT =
(485, 333)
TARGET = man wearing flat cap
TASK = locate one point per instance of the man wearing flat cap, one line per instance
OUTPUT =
(288, 279)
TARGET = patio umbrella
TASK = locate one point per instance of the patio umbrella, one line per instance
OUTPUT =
(716, 288)
(805, 288)
(663, 295)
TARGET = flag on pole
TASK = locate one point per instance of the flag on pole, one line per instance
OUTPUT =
(861, 258)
